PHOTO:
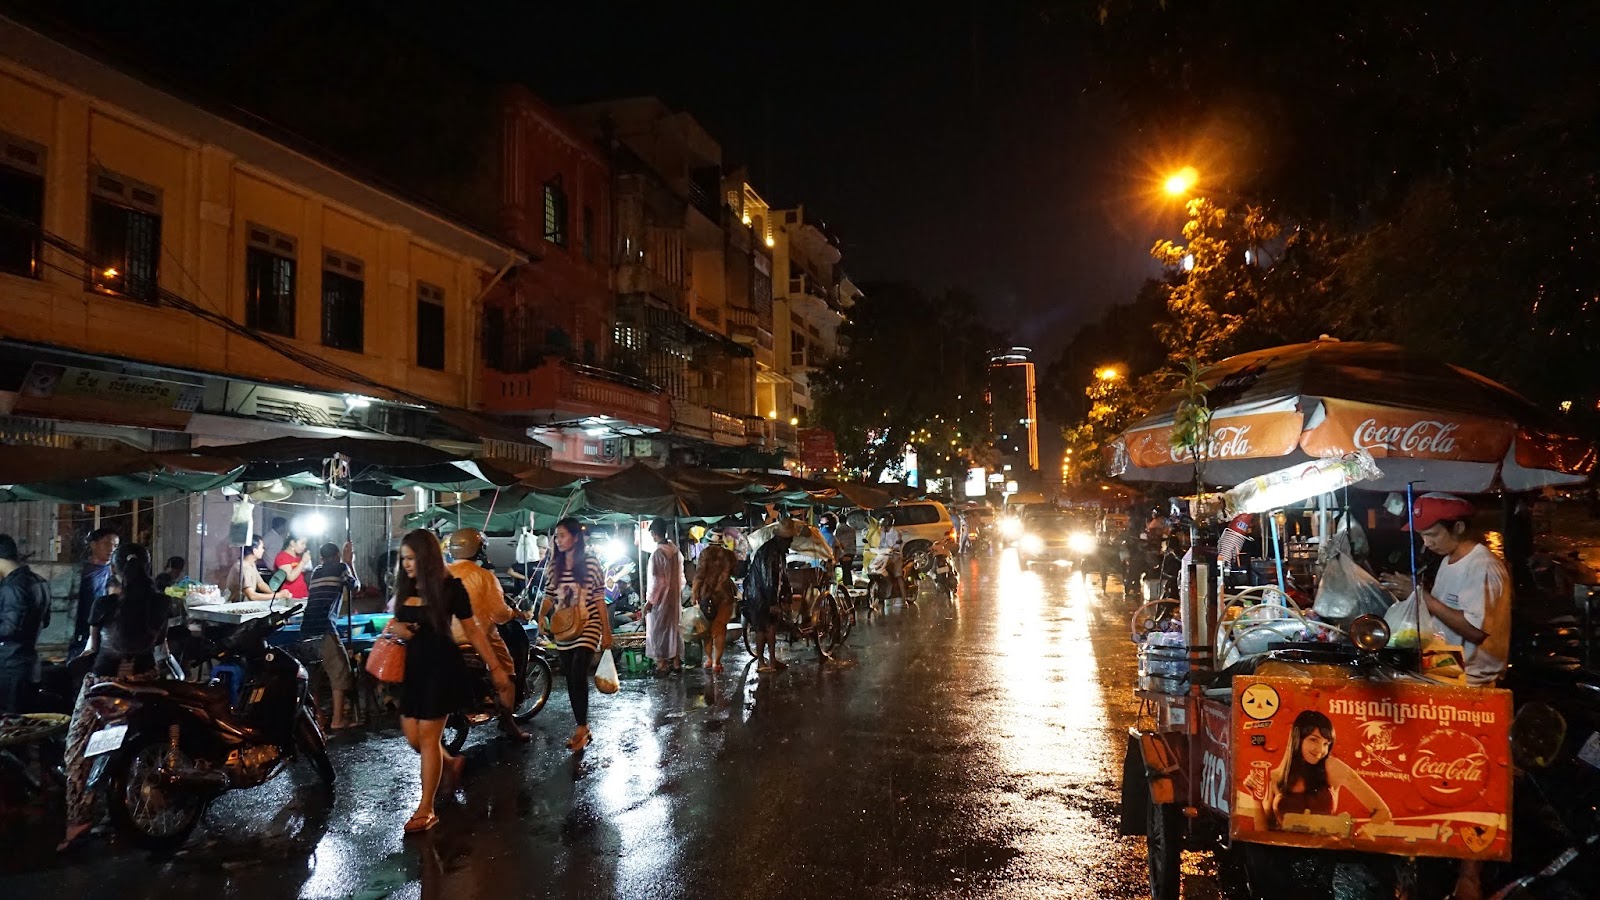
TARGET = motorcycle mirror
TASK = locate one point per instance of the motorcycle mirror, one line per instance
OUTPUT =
(275, 583)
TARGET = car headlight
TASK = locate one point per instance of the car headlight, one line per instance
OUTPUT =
(1081, 542)
(1032, 543)
(1010, 528)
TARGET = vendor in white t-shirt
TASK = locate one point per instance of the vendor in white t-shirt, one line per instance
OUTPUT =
(1470, 604)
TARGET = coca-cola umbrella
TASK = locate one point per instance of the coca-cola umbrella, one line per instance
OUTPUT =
(1423, 420)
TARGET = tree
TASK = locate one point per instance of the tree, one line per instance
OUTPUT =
(913, 372)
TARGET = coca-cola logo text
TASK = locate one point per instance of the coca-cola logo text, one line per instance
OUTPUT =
(1421, 438)
(1226, 442)
(1451, 768)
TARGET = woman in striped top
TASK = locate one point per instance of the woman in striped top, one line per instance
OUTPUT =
(576, 580)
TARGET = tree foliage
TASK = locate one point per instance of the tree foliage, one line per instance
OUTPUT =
(913, 371)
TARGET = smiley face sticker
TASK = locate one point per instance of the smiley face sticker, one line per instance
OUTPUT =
(1259, 701)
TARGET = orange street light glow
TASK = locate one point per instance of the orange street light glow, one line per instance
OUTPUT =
(1181, 181)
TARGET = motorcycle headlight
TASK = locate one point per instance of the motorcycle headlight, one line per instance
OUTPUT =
(1010, 528)
(1032, 543)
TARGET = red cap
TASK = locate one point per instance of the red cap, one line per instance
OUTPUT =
(1430, 509)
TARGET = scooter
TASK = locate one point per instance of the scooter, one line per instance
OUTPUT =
(162, 751)
(935, 565)
(532, 695)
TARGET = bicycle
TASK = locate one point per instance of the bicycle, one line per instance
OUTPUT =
(814, 613)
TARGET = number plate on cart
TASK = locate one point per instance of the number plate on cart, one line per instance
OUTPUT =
(105, 740)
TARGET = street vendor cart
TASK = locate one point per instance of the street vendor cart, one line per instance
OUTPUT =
(1294, 742)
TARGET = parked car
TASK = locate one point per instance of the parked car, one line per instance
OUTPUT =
(921, 522)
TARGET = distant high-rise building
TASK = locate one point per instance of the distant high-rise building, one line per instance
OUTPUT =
(1013, 411)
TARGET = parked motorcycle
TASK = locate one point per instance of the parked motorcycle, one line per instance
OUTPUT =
(934, 564)
(162, 751)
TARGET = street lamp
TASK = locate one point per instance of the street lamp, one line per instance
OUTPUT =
(1108, 373)
(1181, 181)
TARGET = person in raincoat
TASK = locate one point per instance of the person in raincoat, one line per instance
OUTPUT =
(663, 641)
(714, 593)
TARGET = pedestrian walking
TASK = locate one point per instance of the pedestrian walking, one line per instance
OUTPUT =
(127, 626)
(713, 593)
(574, 604)
(663, 640)
(426, 599)
(24, 612)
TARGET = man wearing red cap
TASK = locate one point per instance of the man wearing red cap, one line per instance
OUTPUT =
(1469, 606)
(1470, 603)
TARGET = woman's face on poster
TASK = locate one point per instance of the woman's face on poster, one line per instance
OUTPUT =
(1314, 747)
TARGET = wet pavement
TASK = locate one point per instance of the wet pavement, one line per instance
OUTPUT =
(951, 750)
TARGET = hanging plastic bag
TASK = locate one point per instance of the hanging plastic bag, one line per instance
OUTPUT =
(1346, 590)
(1403, 625)
(605, 677)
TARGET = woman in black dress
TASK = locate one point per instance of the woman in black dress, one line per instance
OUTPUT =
(436, 682)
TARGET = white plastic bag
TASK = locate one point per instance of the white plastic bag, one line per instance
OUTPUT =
(1346, 590)
(1403, 624)
(691, 622)
(605, 677)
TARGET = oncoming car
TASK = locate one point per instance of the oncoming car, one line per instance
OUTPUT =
(1054, 536)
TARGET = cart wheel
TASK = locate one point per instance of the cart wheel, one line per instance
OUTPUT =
(1163, 837)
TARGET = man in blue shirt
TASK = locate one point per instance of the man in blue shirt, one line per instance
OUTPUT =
(93, 580)
(319, 631)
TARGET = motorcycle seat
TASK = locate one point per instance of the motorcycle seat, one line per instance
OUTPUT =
(212, 699)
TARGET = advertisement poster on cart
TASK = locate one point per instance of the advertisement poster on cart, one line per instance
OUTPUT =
(1408, 769)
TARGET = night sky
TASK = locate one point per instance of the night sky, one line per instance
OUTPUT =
(952, 145)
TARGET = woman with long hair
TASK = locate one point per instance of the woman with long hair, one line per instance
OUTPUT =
(1308, 779)
(126, 627)
(575, 605)
(436, 684)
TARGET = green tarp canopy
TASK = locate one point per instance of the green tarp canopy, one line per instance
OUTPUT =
(395, 464)
(67, 475)
(504, 513)
(642, 491)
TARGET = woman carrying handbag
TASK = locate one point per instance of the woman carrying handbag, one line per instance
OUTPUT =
(575, 605)
(435, 682)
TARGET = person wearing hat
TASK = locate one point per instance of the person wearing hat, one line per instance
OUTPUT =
(1469, 604)
(24, 612)
(489, 609)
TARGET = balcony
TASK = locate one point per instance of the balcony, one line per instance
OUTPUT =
(638, 278)
(750, 328)
(757, 431)
(783, 433)
(707, 312)
(691, 419)
(561, 391)
(727, 429)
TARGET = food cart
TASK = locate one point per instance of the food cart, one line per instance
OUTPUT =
(1299, 743)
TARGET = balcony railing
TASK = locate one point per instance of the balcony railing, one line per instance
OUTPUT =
(690, 418)
(564, 390)
(727, 428)
(749, 327)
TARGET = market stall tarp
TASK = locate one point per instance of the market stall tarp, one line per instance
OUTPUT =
(504, 511)
(640, 490)
(395, 463)
(107, 476)
(1424, 420)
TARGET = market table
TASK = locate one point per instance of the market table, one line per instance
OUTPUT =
(236, 613)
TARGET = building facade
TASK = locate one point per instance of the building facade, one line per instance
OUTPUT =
(172, 278)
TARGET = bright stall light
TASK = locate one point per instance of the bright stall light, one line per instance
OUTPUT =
(309, 525)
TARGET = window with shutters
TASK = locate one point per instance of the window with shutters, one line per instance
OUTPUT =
(124, 236)
(430, 326)
(21, 205)
(269, 270)
(555, 212)
(343, 293)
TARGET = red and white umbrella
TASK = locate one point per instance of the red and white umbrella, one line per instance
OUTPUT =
(1423, 421)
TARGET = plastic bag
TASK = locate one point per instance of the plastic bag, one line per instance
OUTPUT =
(605, 677)
(1403, 625)
(691, 622)
(1346, 591)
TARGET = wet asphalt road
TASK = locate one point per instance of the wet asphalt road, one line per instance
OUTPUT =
(951, 750)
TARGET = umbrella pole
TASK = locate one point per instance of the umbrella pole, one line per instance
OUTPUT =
(204, 495)
(1411, 544)
(349, 601)
(1277, 553)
